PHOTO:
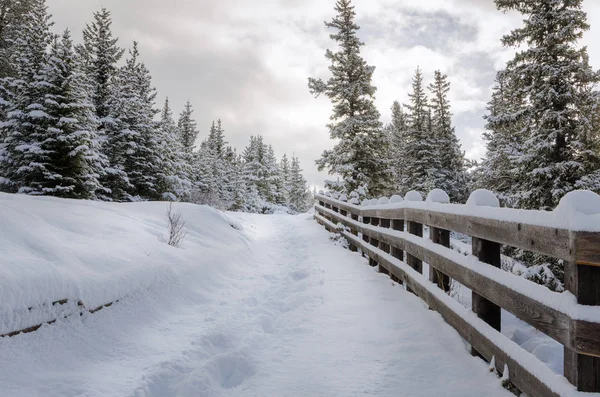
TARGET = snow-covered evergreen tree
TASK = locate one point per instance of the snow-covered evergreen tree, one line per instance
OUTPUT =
(174, 182)
(397, 131)
(23, 160)
(74, 160)
(100, 54)
(356, 157)
(504, 136)
(298, 188)
(285, 175)
(188, 128)
(559, 152)
(13, 14)
(451, 175)
(420, 152)
(132, 138)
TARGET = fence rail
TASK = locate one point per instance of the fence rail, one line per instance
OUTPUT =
(392, 237)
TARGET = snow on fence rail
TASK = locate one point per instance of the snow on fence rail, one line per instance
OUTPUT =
(570, 233)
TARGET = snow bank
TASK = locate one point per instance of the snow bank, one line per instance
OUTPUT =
(483, 198)
(55, 249)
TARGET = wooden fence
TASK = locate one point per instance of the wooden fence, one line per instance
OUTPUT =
(392, 237)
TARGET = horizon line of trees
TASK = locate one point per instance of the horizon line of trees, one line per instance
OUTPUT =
(77, 122)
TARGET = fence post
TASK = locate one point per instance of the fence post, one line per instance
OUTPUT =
(488, 252)
(373, 241)
(397, 224)
(354, 231)
(582, 279)
(441, 237)
(383, 246)
(366, 220)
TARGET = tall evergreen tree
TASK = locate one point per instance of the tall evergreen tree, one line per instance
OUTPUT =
(451, 176)
(174, 181)
(100, 54)
(397, 131)
(132, 139)
(72, 147)
(421, 162)
(355, 120)
(13, 15)
(188, 128)
(559, 147)
(23, 160)
(499, 170)
(298, 188)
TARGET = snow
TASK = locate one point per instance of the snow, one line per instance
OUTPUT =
(483, 198)
(396, 199)
(582, 206)
(383, 200)
(438, 196)
(253, 305)
(413, 196)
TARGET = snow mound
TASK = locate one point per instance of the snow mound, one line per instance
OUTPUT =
(413, 195)
(343, 197)
(94, 252)
(354, 200)
(483, 198)
(583, 202)
(438, 196)
(396, 199)
(383, 200)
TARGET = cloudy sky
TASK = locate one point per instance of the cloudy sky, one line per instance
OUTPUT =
(247, 61)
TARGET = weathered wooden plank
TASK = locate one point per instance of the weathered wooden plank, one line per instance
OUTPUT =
(549, 241)
(413, 261)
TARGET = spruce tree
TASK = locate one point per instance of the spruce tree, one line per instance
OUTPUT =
(298, 188)
(100, 54)
(188, 128)
(13, 15)
(560, 141)
(420, 150)
(132, 137)
(357, 156)
(397, 131)
(174, 181)
(23, 160)
(503, 137)
(451, 176)
(74, 161)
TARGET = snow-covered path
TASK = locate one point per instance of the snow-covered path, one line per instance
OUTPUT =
(290, 315)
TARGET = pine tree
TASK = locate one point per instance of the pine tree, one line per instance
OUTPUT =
(188, 128)
(175, 182)
(559, 147)
(285, 175)
(100, 55)
(397, 131)
(13, 14)
(498, 171)
(298, 188)
(451, 175)
(355, 121)
(22, 157)
(420, 150)
(74, 160)
(132, 138)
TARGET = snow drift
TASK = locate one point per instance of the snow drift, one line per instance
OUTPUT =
(94, 252)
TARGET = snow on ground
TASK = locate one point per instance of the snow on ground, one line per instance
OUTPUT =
(273, 309)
